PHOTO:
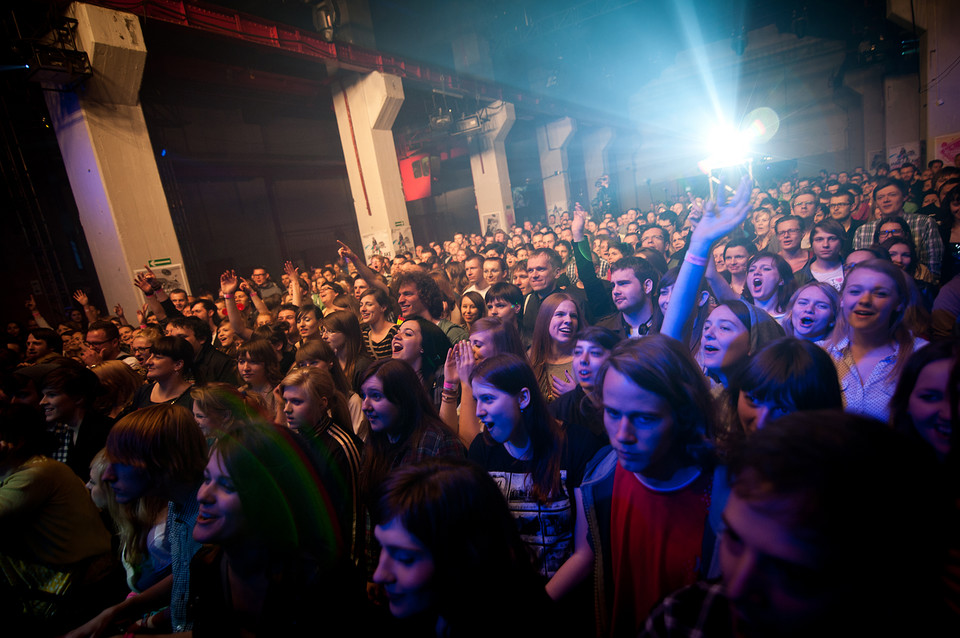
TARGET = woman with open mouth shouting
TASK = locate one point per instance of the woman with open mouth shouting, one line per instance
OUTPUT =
(554, 337)
(812, 311)
(769, 284)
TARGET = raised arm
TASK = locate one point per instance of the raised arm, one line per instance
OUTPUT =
(717, 221)
(366, 273)
(254, 297)
(228, 286)
(293, 273)
(720, 287)
(32, 307)
(151, 289)
(118, 311)
(601, 303)
(90, 311)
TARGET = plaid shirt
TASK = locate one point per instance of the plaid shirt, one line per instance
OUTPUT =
(925, 236)
(696, 611)
(64, 435)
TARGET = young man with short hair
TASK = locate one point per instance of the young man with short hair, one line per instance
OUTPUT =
(789, 230)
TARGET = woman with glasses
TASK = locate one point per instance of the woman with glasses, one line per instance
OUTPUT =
(893, 227)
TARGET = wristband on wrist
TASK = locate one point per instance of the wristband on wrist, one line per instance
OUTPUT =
(148, 294)
(228, 295)
(449, 385)
(694, 260)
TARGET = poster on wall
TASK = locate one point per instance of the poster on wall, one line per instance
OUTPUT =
(377, 244)
(875, 159)
(900, 154)
(490, 223)
(170, 276)
(946, 148)
(402, 240)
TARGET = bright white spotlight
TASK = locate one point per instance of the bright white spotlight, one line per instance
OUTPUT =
(731, 146)
(727, 146)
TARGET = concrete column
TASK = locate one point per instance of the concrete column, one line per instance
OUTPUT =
(488, 163)
(869, 84)
(107, 153)
(596, 146)
(553, 139)
(366, 107)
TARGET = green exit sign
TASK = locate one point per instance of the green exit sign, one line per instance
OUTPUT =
(153, 263)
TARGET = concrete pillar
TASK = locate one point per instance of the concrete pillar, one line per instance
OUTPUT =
(488, 163)
(596, 145)
(366, 107)
(552, 140)
(901, 115)
(109, 160)
(940, 106)
(868, 83)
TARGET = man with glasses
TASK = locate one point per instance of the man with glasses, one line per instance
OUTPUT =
(804, 206)
(789, 231)
(842, 206)
(103, 338)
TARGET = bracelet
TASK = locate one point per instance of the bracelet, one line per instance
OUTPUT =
(694, 260)
(228, 296)
(148, 294)
(447, 385)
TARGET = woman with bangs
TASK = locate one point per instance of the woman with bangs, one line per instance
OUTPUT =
(377, 329)
(259, 369)
(472, 307)
(812, 311)
(554, 337)
(309, 323)
(319, 354)
(871, 341)
(168, 375)
(272, 560)
(341, 330)
(903, 254)
(157, 453)
(538, 464)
